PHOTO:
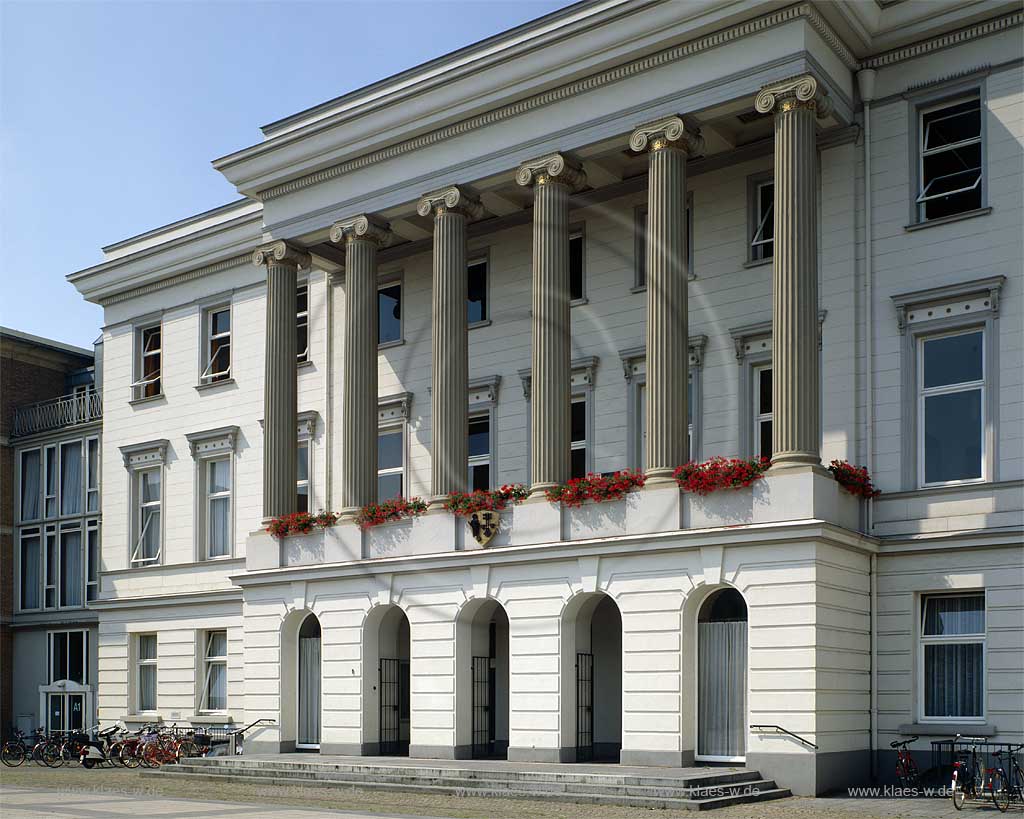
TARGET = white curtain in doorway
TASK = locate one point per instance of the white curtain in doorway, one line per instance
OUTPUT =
(722, 689)
(309, 691)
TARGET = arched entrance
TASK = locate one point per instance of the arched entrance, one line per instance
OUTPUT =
(722, 677)
(591, 679)
(482, 680)
(307, 735)
(386, 689)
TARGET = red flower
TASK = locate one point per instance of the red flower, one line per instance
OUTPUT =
(854, 479)
(300, 523)
(465, 504)
(719, 473)
(596, 487)
(374, 514)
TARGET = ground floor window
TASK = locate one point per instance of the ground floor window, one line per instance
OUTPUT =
(953, 656)
(146, 672)
(215, 672)
(69, 656)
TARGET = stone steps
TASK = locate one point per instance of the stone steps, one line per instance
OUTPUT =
(701, 791)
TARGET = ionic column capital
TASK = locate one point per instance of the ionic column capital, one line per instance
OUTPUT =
(551, 169)
(361, 227)
(451, 199)
(795, 92)
(669, 132)
(280, 253)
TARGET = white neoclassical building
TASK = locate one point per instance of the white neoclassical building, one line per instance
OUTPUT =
(622, 235)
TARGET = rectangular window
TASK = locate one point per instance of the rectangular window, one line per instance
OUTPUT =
(72, 577)
(148, 359)
(762, 241)
(147, 517)
(217, 364)
(951, 167)
(389, 313)
(476, 303)
(146, 665)
(302, 477)
(218, 507)
(302, 322)
(480, 453)
(215, 672)
(69, 656)
(578, 429)
(92, 561)
(762, 412)
(30, 485)
(390, 463)
(50, 484)
(951, 392)
(577, 260)
(51, 568)
(953, 655)
(641, 408)
(641, 243)
(71, 478)
(31, 560)
(92, 475)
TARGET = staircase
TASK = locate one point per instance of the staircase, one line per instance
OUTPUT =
(689, 788)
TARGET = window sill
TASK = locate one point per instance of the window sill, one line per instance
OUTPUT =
(477, 324)
(948, 729)
(945, 220)
(578, 302)
(387, 345)
(211, 719)
(758, 262)
(136, 402)
(304, 365)
(638, 288)
(213, 385)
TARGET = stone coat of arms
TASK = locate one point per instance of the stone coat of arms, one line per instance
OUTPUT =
(484, 526)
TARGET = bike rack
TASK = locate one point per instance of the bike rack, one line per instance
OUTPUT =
(778, 729)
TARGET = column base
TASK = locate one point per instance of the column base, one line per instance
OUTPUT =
(656, 759)
(785, 461)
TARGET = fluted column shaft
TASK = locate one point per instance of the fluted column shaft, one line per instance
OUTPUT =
(796, 379)
(280, 395)
(550, 410)
(668, 146)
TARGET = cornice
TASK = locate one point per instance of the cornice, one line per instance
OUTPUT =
(180, 278)
(983, 29)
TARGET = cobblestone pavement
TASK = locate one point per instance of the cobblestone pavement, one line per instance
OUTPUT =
(33, 793)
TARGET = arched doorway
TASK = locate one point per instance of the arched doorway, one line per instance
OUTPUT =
(591, 679)
(386, 682)
(482, 680)
(722, 677)
(307, 735)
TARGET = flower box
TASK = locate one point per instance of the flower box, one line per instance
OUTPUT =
(431, 533)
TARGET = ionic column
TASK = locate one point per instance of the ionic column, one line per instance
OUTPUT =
(452, 208)
(796, 381)
(362, 236)
(553, 178)
(280, 392)
(668, 146)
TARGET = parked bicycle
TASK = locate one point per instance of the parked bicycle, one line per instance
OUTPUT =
(38, 747)
(968, 774)
(907, 772)
(1007, 779)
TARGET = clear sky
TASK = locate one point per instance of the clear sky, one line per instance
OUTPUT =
(110, 113)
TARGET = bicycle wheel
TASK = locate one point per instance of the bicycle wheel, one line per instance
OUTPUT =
(911, 773)
(187, 748)
(12, 754)
(129, 756)
(51, 755)
(151, 754)
(114, 753)
(1000, 791)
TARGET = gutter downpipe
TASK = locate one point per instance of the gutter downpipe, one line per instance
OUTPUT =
(866, 87)
(329, 397)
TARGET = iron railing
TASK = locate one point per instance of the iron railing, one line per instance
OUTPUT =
(66, 411)
(778, 729)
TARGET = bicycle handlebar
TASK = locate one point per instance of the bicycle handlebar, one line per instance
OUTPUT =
(904, 742)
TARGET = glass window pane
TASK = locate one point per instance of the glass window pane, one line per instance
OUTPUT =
(952, 436)
(147, 646)
(579, 421)
(217, 692)
(147, 688)
(953, 680)
(217, 644)
(220, 322)
(76, 657)
(30, 485)
(220, 513)
(480, 477)
(579, 463)
(151, 486)
(51, 482)
(576, 267)
(72, 581)
(950, 615)
(953, 359)
(389, 308)
(952, 124)
(389, 486)
(59, 656)
(302, 299)
(477, 301)
(30, 572)
(765, 439)
(56, 712)
(303, 463)
(71, 478)
(76, 713)
(764, 391)
(479, 437)
(220, 476)
(389, 450)
(150, 548)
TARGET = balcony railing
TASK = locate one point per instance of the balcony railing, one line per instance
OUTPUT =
(66, 411)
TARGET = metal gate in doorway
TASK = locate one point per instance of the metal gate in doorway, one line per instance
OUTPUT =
(390, 701)
(483, 708)
(584, 707)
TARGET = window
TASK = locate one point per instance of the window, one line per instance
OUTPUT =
(215, 672)
(30, 485)
(92, 475)
(147, 366)
(146, 664)
(389, 313)
(51, 568)
(641, 409)
(476, 303)
(69, 656)
(390, 462)
(71, 478)
(92, 560)
(31, 560)
(640, 228)
(302, 322)
(218, 507)
(147, 517)
(953, 656)
(578, 427)
(302, 477)
(71, 569)
(577, 288)
(217, 365)
(762, 412)
(50, 485)
(480, 452)
(762, 218)
(950, 158)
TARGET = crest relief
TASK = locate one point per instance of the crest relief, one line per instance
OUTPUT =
(484, 525)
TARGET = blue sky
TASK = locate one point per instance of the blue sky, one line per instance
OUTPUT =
(111, 112)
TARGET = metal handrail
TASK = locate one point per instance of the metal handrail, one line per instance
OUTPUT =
(780, 730)
(65, 411)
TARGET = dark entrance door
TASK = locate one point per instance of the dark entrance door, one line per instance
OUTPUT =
(584, 707)
(390, 705)
(483, 708)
